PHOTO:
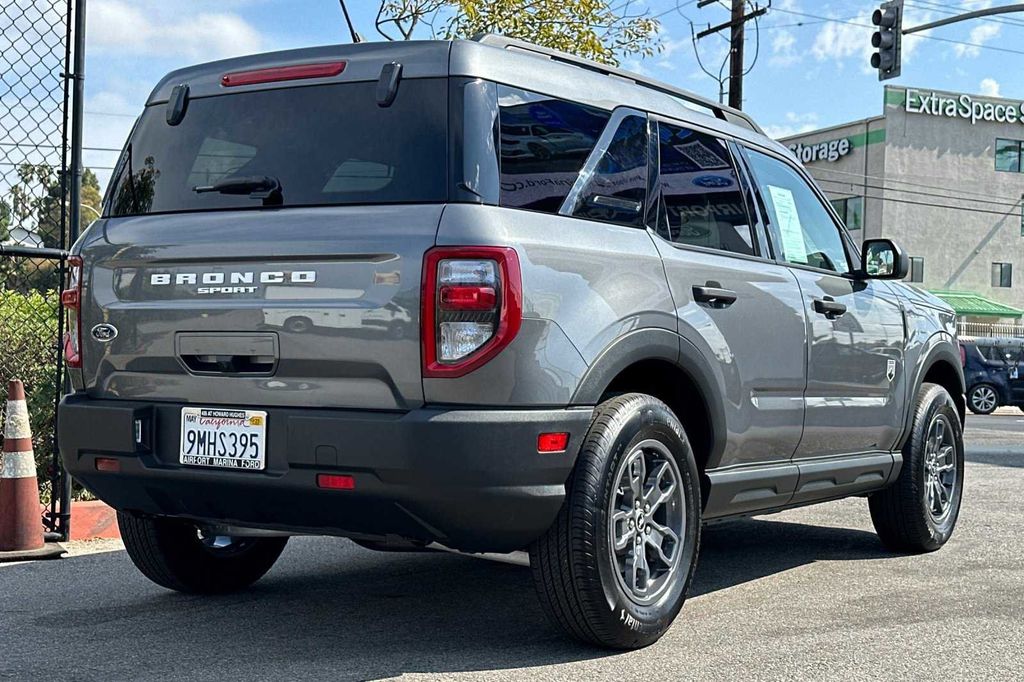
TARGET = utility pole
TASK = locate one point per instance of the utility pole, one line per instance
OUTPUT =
(737, 21)
(736, 55)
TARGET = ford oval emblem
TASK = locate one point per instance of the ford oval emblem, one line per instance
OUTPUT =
(104, 332)
(712, 181)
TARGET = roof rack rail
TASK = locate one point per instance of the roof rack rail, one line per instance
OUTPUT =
(726, 113)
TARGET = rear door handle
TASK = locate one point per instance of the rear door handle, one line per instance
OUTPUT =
(714, 294)
(829, 307)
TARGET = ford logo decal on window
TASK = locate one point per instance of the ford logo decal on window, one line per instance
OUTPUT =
(712, 181)
(104, 332)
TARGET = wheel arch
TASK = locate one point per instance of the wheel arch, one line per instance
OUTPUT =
(661, 363)
(940, 365)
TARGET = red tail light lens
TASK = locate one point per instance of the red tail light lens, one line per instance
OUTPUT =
(335, 482)
(472, 307)
(963, 355)
(282, 73)
(552, 442)
(71, 299)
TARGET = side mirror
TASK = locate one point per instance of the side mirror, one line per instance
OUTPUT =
(883, 259)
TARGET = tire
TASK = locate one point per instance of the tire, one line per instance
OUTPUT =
(171, 554)
(575, 568)
(983, 399)
(904, 515)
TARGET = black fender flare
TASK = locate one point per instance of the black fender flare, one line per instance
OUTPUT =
(658, 344)
(940, 346)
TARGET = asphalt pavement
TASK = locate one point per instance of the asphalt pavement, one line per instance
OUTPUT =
(808, 593)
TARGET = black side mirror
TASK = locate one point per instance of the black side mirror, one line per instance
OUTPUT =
(883, 259)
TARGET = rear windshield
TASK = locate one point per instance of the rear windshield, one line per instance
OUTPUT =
(323, 145)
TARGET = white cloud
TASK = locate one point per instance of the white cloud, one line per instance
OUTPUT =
(794, 124)
(127, 29)
(840, 41)
(980, 34)
(784, 49)
(990, 87)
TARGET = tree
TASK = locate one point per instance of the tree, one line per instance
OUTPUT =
(588, 28)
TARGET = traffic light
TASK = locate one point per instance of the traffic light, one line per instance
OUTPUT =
(886, 40)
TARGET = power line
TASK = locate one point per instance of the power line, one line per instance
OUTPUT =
(856, 185)
(945, 190)
(922, 36)
(935, 7)
(931, 205)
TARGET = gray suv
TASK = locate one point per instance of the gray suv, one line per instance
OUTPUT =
(488, 296)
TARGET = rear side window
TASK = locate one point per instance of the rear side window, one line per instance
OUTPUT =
(700, 201)
(616, 190)
(543, 143)
(324, 144)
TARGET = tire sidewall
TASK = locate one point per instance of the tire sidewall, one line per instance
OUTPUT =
(653, 420)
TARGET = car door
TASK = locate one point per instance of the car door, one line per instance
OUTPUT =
(1015, 372)
(856, 379)
(737, 306)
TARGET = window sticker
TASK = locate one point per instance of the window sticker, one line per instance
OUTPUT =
(788, 221)
(702, 156)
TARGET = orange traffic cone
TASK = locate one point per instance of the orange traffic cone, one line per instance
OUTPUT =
(21, 528)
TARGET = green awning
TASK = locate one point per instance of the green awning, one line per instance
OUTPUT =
(966, 303)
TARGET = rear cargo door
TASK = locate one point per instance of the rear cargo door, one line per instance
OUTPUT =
(265, 248)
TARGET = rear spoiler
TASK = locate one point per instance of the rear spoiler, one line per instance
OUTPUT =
(716, 109)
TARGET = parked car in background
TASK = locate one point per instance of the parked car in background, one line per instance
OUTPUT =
(993, 373)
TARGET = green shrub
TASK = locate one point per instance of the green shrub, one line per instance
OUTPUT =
(28, 351)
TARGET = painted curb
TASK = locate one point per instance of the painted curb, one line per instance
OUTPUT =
(93, 519)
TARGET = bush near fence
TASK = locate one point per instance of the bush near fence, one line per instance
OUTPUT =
(28, 351)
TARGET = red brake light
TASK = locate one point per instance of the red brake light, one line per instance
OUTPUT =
(467, 298)
(963, 355)
(282, 73)
(552, 442)
(472, 303)
(71, 300)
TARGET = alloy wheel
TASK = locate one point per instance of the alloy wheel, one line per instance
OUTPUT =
(983, 399)
(646, 521)
(940, 467)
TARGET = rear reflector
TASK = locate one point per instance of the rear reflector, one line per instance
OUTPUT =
(552, 442)
(282, 73)
(108, 464)
(335, 482)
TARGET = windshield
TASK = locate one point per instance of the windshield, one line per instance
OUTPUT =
(323, 145)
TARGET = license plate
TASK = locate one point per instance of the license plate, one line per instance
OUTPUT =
(223, 438)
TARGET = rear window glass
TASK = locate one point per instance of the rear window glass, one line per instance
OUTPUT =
(325, 145)
(543, 142)
(700, 202)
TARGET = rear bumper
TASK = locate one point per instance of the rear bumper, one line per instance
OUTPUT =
(469, 479)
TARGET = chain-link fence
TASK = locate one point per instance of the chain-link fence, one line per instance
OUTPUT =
(35, 42)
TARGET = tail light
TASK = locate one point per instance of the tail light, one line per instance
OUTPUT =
(71, 299)
(472, 307)
(963, 355)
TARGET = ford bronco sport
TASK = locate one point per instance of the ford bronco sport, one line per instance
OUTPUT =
(494, 297)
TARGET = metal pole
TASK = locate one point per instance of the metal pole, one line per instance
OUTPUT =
(78, 95)
(976, 14)
(736, 55)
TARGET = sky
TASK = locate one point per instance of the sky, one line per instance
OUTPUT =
(811, 68)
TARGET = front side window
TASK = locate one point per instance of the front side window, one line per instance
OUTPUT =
(1002, 275)
(616, 190)
(321, 145)
(700, 201)
(1008, 156)
(802, 228)
(543, 143)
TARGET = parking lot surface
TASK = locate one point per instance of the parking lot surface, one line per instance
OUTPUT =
(808, 593)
